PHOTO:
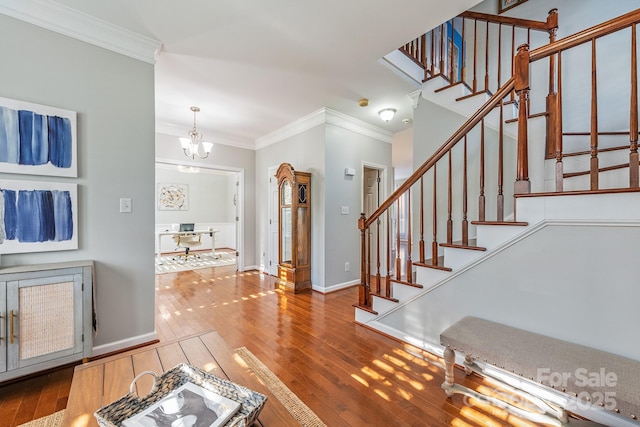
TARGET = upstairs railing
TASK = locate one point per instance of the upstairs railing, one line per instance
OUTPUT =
(484, 164)
(477, 49)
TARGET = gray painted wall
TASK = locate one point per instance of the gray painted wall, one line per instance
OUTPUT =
(305, 152)
(345, 148)
(114, 98)
(325, 151)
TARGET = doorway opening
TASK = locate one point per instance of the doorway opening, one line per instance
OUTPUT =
(211, 201)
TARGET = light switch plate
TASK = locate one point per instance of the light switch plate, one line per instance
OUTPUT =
(344, 210)
(125, 204)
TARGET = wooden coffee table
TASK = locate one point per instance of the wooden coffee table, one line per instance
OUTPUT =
(100, 382)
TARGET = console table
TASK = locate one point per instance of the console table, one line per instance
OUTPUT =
(102, 381)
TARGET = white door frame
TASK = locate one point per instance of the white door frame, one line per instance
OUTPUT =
(239, 207)
(382, 197)
(271, 267)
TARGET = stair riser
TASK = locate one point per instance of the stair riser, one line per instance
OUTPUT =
(491, 236)
(403, 292)
(456, 258)
(363, 316)
(381, 305)
(428, 277)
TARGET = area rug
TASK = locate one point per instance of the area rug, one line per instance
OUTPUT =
(296, 407)
(53, 420)
(168, 265)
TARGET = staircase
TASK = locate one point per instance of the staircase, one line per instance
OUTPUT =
(513, 219)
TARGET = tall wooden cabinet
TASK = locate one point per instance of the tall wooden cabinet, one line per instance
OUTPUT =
(46, 316)
(294, 216)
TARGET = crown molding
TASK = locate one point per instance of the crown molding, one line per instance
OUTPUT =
(78, 25)
(322, 116)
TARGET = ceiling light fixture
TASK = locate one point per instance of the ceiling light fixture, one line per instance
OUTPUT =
(387, 114)
(191, 145)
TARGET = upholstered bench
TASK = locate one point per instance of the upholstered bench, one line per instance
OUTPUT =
(591, 376)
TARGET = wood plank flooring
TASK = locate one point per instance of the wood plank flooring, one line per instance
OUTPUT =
(347, 374)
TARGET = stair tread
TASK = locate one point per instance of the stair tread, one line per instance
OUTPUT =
(403, 282)
(365, 308)
(471, 245)
(440, 89)
(385, 297)
(429, 264)
(471, 95)
(518, 223)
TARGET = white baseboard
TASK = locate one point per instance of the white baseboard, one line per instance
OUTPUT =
(336, 287)
(126, 343)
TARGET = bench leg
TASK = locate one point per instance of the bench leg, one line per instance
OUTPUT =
(468, 362)
(449, 363)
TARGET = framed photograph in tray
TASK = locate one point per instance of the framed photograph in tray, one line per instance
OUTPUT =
(188, 405)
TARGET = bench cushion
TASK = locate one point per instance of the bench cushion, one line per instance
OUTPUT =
(607, 379)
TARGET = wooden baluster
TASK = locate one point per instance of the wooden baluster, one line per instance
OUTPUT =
(378, 284)
(423, 50)
(594, 120)
(398, 249)
(633, 121)
(376, 289)
(450, 55)
(500, 198)
(409, 261)
(449, 205)
(475, 56)
(513, 54)
(552, 101)
(363, 291)
(442, 40)
(388, 278)
(433, 51)
(421, 219)
(486, 60)
(558, 130)
(434, 244)
(463, 73)
(522, 184)
(481, 198)
(465, 222)
(499, 55)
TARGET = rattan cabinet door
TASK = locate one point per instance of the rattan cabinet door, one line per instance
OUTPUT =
(44, 319)
(3, 329)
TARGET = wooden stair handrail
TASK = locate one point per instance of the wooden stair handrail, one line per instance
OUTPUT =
(584, 36)
(482, 112)
(550, 23)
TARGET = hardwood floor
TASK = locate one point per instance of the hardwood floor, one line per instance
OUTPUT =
(347, 374)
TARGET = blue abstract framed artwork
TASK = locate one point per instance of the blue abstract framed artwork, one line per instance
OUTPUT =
(37, 140)
(38, 216)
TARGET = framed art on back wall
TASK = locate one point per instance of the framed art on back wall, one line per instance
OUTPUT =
(504, 5)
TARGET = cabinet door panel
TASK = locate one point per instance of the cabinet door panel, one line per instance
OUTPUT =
(3, 327)
(47, 319)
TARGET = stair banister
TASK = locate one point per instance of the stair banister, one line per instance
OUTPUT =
(364, 223)
(554, 129)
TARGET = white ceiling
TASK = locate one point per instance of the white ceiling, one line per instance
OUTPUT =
(254, 66)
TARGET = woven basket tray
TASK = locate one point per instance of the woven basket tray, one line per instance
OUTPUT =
(251, 402)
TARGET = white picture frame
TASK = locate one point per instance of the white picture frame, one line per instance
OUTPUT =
(38, 216)
(37, 139)
(184, 406)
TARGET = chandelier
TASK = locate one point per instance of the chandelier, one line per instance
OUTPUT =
(191, 146)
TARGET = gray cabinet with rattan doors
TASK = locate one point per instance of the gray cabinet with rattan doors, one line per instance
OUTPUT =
(46, 316)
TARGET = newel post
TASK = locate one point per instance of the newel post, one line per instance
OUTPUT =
(363, 294)
(522, 184)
